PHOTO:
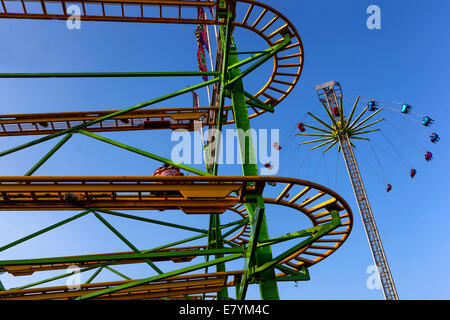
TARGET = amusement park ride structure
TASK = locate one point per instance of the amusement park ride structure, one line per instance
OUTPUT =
(246, 239)
(340, 131)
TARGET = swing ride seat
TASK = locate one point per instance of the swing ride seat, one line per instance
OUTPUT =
(434, 137)
(427, 121)
(406, 108)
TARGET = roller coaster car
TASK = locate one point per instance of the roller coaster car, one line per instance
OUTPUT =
(335, 111)
(427, 121)
(301, 127)
(412, 173)
(372, 105)
(434, 137)
(167, 170)
(428, 156)
(406, 108)
(160, 124)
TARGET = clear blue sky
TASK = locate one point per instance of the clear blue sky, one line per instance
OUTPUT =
(407, 60)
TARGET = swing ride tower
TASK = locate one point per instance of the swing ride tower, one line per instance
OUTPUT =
(340, 131)
(257, 258)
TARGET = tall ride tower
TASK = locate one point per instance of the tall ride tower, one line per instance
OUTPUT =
(340, 131)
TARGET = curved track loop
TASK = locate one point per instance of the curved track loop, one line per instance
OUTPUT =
(288, 64)
(311, 199)
(255, 16)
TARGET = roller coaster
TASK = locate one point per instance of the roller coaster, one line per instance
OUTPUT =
(245, 239)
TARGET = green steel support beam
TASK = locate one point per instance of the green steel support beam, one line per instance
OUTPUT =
(100, 266)
(251, 248)
(160, 276)
(225, 32)
(49, 154)
(122, 256)
(215, 234)
(143, 153)
(126, 241)
(37, 233)
(109, 74)
(108, 116)
(289, 236)
(129, 216)
(58, 277)
(293, 275)
(95, 274)
(258, 103)
(317, 232)
(267, 281)
(232, 230)
(118, 273)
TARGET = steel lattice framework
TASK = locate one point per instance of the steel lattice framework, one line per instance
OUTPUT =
(246, 239)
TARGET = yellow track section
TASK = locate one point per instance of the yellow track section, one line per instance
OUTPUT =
(191, 195)
(255, 16)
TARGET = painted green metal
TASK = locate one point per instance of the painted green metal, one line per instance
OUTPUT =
(49, 154)
(340, 125)
(214, 234)
(267, 282)
(251, 247)
(126, 241)
(143, 153)
(108, 116)
(106, 263)
(160, 276)
(65, 275)
(274, 51)
(129, 216)
(121, 256)
(95, 274)
(317, 232)
(120, 274)
(258, 103)
(259, 265)
(37, 233)
(109, 74)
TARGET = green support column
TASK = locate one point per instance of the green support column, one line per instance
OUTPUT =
(215, 234)
(267, 282)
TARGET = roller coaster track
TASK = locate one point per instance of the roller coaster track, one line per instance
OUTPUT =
(144, 119)
(329, 215)
(287, 66)
(191, 195)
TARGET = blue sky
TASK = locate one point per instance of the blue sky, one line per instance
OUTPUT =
(406, 61)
